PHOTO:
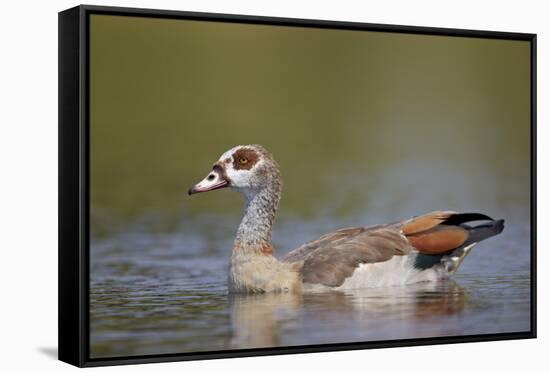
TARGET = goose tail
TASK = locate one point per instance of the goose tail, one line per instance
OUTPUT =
(449, 261)
(477, 234)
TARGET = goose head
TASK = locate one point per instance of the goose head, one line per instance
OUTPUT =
(247, 169)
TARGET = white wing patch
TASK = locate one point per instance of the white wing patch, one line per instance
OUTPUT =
(397, 271)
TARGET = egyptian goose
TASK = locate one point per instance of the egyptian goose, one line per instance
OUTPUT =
(424, 248)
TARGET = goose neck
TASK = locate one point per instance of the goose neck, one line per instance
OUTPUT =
(254, 232)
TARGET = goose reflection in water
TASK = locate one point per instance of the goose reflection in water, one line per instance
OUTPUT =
(261, 320)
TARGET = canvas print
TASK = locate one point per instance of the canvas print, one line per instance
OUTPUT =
(262, 186)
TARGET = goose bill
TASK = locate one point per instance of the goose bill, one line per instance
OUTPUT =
(208, 185)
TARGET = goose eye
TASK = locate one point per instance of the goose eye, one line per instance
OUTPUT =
(243, 160)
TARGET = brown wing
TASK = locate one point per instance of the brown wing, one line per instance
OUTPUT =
(439, 232)
(327, 240)
(417, 225)
(340, 253)
(333, 257)
(425, 222)
(439, 240)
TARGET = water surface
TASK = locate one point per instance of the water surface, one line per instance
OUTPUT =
(166, 293)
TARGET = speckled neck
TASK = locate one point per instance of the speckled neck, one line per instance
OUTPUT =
(254, 233)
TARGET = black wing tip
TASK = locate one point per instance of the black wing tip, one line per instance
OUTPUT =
(460, 218)
(499, 225)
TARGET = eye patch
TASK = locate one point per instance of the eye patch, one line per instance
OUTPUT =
(244, 159)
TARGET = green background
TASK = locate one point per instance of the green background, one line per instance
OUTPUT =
(359, 121)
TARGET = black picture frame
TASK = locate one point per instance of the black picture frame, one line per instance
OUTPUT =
(74, 197)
